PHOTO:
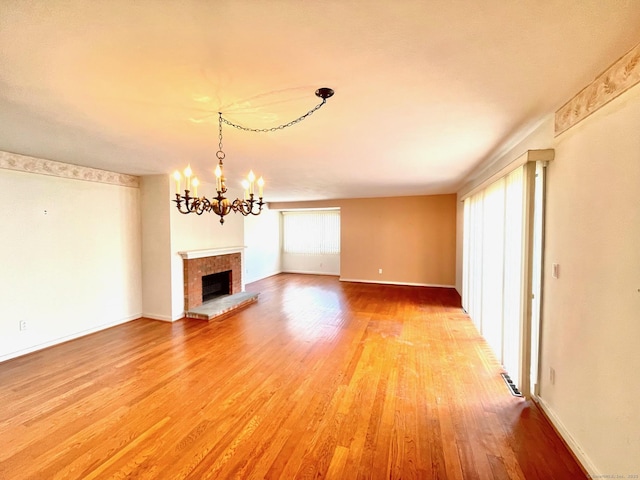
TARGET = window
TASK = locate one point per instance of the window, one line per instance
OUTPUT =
(311, 232)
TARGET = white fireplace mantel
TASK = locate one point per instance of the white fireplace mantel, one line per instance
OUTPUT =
(211, 252)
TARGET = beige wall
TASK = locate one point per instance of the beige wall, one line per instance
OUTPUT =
(411, 238)
(591, 319)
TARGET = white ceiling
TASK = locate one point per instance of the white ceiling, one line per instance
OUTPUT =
(425, 90)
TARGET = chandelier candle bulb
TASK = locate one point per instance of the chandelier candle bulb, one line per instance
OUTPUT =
(260, 186)
(196, 182)
(187, 174)
(218, 173)
(245, 186)
(176, 176)
(252, 178)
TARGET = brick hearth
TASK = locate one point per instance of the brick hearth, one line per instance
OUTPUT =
(196, 268)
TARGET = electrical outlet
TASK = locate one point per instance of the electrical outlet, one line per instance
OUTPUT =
(555, 270)
(380, 271)
(552, 375)
(23, 325)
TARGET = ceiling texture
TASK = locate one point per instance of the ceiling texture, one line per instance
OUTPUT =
(424, 90)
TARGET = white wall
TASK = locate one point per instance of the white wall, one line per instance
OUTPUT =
(156, 247)
(167, 232)
(591, 319)
(195, 232)
(327, 264)
(72, 270)
(262, 239)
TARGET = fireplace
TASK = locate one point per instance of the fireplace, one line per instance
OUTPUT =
(201, 263)
(216, 285)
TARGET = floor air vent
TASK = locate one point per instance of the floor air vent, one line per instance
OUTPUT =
(512, 386)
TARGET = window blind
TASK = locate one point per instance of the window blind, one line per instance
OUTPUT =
(493, 265)
(311, 232)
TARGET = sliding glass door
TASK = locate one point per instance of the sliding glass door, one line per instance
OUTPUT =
(497, 262)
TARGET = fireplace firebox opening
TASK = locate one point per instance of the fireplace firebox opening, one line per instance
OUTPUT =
(216, 285)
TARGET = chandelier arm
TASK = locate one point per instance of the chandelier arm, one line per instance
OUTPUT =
(259, 208)
(241, 206)
(178, 201)
(202, 206)
(237, 206)
(188, 201)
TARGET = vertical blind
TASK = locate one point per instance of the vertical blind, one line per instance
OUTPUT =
(311, 232)
(494, 266)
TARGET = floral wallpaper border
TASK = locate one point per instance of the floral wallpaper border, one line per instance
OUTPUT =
(23, 163)
(617, 79)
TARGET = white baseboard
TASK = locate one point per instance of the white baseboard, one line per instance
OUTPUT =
(67, 338)
(309, 272)
(163, 318)
(271, 274)
(568, 438)
(407, 284)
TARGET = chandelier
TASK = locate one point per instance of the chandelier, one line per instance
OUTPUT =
(220, 205)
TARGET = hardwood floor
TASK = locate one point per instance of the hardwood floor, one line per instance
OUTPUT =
(318, 379)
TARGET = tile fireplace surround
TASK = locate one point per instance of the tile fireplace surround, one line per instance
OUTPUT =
(198, 263)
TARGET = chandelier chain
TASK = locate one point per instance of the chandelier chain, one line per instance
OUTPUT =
(272, 129)
(220, 154)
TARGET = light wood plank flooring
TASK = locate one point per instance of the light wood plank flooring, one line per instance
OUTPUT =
(318, 379)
